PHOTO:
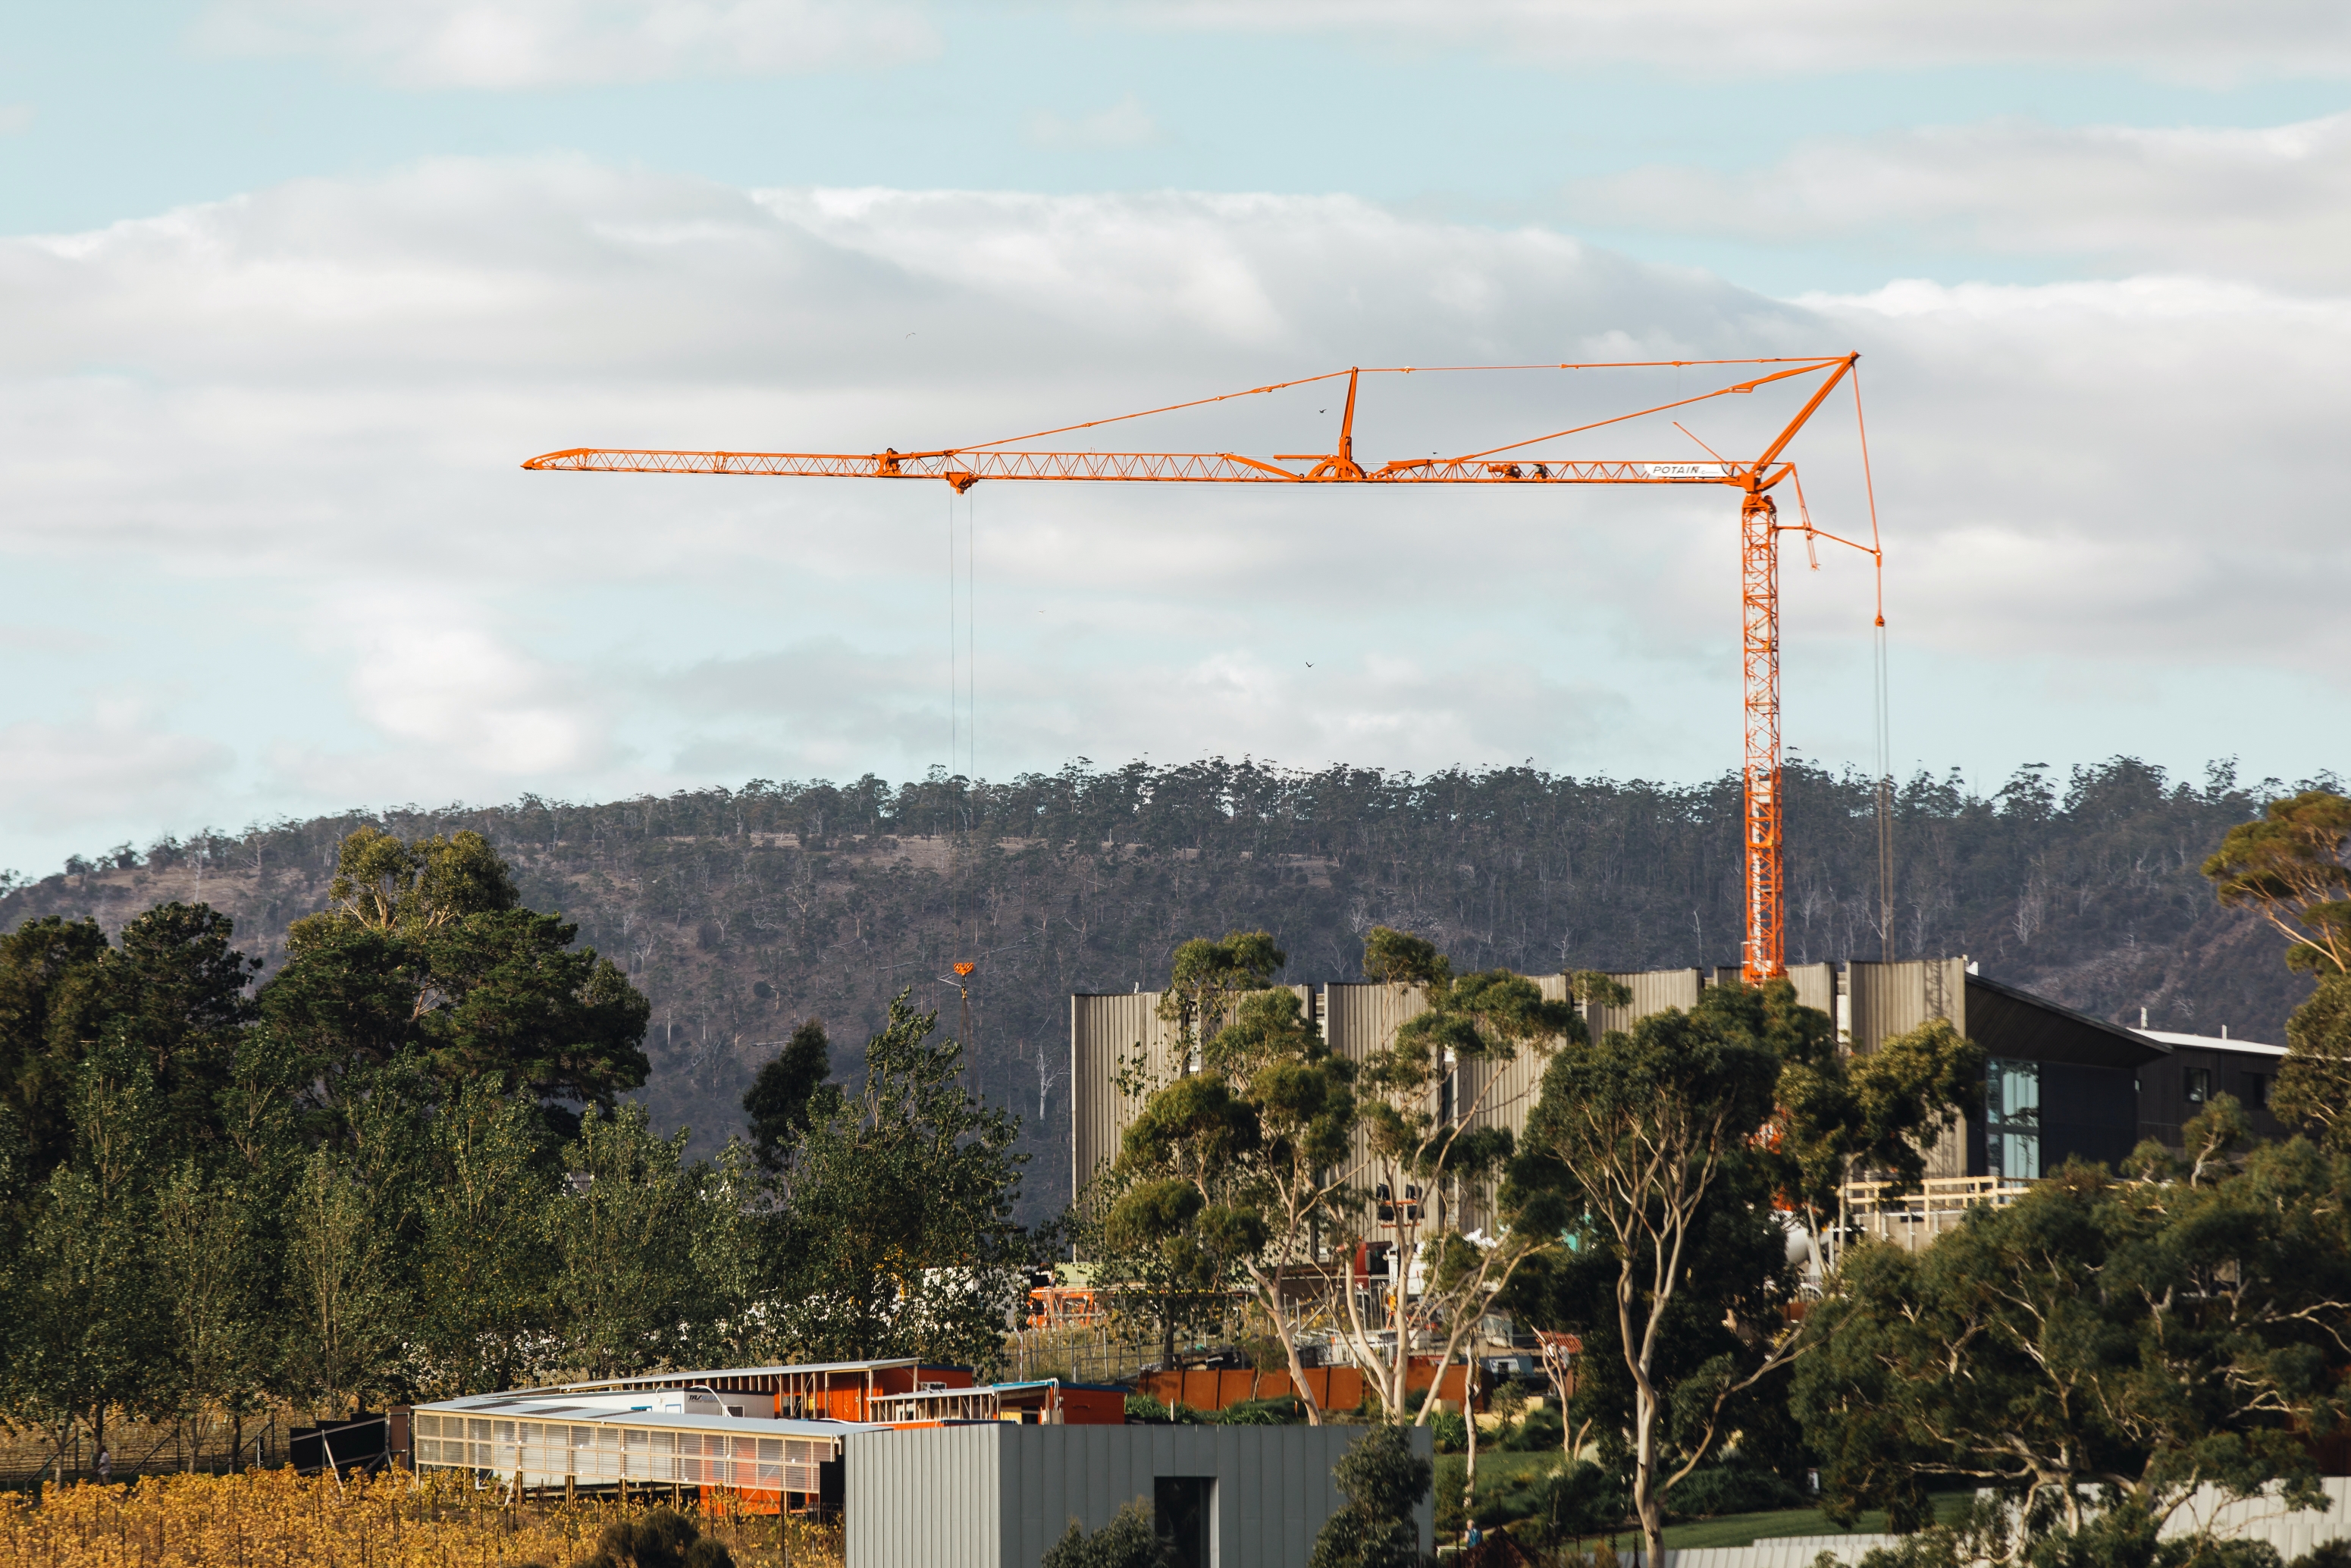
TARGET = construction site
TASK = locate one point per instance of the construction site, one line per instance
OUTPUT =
(1355, 1329)
(2059, 1085)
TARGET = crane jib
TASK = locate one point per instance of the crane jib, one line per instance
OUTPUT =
(965, 469)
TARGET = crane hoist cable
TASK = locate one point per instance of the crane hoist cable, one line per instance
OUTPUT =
(1762, 952)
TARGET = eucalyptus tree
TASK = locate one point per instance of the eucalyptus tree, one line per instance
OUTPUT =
(1430, 1159)
(1206, 981)
(1646, 1143)
(2095, 1353)
(426, 952)
(2294, 866)
(1234, 1172)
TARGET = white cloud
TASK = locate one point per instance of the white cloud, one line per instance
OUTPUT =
(300, 414)
(2111, 469)
(2183, 38)
(16, 117)
(1125, 123)
(119, 762)
(543, 43)
(461, 691)
(2271, 206)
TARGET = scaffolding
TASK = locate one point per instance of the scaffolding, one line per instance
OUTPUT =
(1911, 1215)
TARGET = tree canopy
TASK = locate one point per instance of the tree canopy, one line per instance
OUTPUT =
(427, 953)
(407, 1168)
(2100, 1345)
(1384, 1483)
(1229, 1174)
(895, 1233)
(1658, 1154)
(2291, 865)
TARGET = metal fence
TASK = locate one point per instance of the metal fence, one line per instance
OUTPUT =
(1102, 1354)
(212, 1445)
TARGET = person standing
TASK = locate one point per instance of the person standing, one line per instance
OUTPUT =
(103, 1463)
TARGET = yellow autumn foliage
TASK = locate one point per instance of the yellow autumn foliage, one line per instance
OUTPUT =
(277, 1518)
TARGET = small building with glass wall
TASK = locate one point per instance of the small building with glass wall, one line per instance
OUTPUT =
(769, 1438)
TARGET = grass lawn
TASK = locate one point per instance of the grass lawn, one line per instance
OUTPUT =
(1746, 1529)
(1497, 1469)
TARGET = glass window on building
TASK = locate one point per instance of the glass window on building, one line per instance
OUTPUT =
(2012, 1120)
(2200, 1085)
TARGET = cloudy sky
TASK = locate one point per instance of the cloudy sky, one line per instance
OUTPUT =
(289, 288)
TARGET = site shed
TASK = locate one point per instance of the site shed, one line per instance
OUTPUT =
(994, 1495)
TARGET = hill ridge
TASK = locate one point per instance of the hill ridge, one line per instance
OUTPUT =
(741, 912)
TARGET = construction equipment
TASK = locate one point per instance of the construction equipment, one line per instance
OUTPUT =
(1755, 479)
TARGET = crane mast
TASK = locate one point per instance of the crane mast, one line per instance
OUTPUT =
(1763, 949)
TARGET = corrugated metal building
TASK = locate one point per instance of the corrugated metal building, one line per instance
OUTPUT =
(999, 1496)
(2062, 1082)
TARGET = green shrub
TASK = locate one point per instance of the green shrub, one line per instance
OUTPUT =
(1716, 1489)
(1541, 1432)
(1384, 1482)
(1131, 1540)
(663, 1538)
(1286, 1411)
(1549, 1507)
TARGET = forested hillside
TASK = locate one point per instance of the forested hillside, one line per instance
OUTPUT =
(739, 913)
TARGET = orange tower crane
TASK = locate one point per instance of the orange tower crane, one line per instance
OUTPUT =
(1762, 955)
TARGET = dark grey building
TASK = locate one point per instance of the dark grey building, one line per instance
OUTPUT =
(2060, 1084)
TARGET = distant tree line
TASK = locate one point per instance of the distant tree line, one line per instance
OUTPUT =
(403, 1167)
(740, 914)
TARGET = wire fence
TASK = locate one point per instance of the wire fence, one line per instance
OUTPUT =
(1101, 1354)
(209, 1444)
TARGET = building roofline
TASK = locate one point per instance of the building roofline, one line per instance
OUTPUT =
(682, 1379)
(2129, 1037)
(2170, 1037)
(506, 1407)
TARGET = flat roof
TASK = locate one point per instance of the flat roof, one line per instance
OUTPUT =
(2211, 1042)
(664, 1379)
(511, 1407)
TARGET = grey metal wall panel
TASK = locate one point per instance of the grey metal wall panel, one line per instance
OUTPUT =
(1893, 998)
(932, 1503)
(1504, 1092)
(999, 1496)
(1360, 1020)
(1104, 1033)
(1816, 985)
(1653, 990)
